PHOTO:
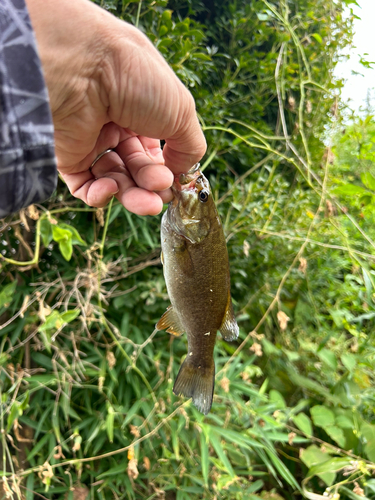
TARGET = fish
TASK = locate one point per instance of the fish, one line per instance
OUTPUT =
(196, 271)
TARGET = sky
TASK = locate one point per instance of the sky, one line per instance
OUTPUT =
(356, 86)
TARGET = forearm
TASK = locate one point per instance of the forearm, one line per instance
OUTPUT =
(27, 163)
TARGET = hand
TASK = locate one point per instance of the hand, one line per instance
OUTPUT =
(110, 88)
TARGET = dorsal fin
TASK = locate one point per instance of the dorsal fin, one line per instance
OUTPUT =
(229, 328)
(170, 322)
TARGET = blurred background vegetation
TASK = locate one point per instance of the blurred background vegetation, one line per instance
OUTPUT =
(87, 409)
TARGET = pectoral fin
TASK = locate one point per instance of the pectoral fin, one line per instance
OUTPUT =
(170, 322)
(229, 328)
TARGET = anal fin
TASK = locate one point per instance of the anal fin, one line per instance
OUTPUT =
(229, 328)
(170, 322)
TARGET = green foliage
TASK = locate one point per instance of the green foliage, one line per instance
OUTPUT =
(86, 382)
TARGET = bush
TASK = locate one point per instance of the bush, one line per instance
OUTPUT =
(87, 402)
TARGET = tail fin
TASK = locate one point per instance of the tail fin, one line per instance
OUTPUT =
(197, 383)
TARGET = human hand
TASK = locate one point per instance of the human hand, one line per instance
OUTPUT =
(109, 88)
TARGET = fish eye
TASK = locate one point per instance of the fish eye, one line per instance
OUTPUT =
(203, 195)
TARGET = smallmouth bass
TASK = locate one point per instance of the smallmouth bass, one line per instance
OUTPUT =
(196, 271)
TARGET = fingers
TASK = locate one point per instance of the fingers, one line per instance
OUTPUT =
(100, 192)
(93, 190)
(166, 195)
(133, 172)
(144, 161)
(108, 138)
(140, 202)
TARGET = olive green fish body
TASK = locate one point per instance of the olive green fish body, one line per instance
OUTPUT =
(197, 277)
(196, 270)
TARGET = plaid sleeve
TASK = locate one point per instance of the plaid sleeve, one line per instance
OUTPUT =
(27, 160)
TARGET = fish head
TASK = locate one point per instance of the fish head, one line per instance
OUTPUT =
(192, 211)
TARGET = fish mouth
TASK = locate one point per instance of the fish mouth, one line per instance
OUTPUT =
(186, 180)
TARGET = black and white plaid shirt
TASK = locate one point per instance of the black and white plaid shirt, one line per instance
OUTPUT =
(27, 161)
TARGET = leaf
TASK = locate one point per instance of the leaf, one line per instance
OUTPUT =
(368, 431)
(51, 322)
(39, 445)
(131, 224)
(14, 413)
(131, 413)
(322, 416)
(204, 57)
(167, 15)
(56, 426)
(368, 283)
(76, 237)
(350, 190)
(164, 43)
(54, 321)
(331, 465)
(46, 231)
(110, 423)
(313, 456)
(117, 469)
(66, 235)
(64, 238)
(277, 397)
(7, 294)
(337, 434)
(163, 30)
(30, 487)
(344, 422)
(366, 199)
(303, 423)
(25, 401)
(66, 249)
(60, 234)
(214, 440)
(283, 470)
(312, 385)
(349, 361)
(204, 458)
(317, 37)
(240, 439)
(175, 441)
(371, 485)
(69, 316)
(328, 357)
(46, 338)
(368, 180)
(255, 486)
